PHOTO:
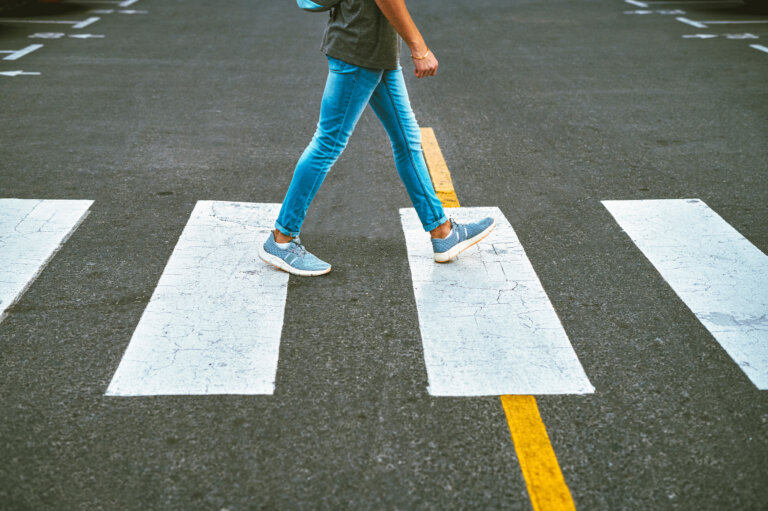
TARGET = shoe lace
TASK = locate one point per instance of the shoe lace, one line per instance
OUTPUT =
(297, 248)
(456, 226)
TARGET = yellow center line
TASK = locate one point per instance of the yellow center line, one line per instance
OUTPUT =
(546, 485)
(438, 170)
(543, 477)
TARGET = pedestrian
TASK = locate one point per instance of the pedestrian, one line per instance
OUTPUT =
(362, 46)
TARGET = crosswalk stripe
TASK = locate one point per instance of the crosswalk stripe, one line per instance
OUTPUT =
(31, 232)
(487, 325)
(214, 321)
(716, 272)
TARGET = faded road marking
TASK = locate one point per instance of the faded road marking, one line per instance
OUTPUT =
(31, 232)
(716, 272)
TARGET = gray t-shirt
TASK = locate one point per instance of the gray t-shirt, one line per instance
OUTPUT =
(358, 33)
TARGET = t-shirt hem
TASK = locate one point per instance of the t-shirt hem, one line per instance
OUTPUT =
(354, 59)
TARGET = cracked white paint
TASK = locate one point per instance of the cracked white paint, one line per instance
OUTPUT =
(718, 274)
(31, 232)
(214, 321)
(487, 326)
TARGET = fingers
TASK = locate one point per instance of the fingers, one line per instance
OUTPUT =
(427, 67)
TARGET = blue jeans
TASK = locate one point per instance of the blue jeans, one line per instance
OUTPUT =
(348, 90)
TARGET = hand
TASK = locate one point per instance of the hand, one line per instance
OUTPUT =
(425, 67)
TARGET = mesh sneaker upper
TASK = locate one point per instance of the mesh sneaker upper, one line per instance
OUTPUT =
(460, 233)
(295, 255)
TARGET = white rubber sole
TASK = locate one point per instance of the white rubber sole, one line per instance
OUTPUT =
(282, 265)
(444, 257)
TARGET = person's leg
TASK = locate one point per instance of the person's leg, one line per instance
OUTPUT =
(347, 92)
(449, 238)
(391, 104)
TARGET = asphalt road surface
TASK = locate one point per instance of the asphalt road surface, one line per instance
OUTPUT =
(541, 108)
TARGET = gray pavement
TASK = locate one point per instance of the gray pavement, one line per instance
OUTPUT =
(542, 109)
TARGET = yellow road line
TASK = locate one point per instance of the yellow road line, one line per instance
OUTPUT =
(546, 485)
(543, 477)
(438, 170)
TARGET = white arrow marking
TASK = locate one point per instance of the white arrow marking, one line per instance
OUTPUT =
(16, 73)
(16, 55)
(85, 23)
(700, 36)
(130, 11)
(101, 11)
(487, 326)
(741, 36)
(636, 3)
(47, 35)
(31, 231)
(716, 272)
(128, 3)
(759, 47)
(86, 36)
(214, 321)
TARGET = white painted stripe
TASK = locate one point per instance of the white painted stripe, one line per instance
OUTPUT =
(717, 272)
(745, 22)
(214, 321)
(128, 3)
(75, 24)
(18, 72)
(635, 2)
(759, 47)
(16, 55)
(691, 22)
(694, 2)
(86, 22)
(31, 232)
(487, 325)
(689, 3)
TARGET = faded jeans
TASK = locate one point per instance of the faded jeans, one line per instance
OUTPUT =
(348, 90)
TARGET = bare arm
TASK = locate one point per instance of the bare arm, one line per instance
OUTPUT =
(397, 13)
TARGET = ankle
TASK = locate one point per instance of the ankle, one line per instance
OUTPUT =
(442, 230)
(280, 237)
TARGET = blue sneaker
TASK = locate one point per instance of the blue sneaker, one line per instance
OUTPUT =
(462, 237)
(295, 259)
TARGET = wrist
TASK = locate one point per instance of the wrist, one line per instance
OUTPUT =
(418, 48)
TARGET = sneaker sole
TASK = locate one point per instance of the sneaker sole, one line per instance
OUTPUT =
(282, 265)
(444, 257)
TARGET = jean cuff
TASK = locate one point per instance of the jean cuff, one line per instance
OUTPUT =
(286, 231)
(435, 225)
